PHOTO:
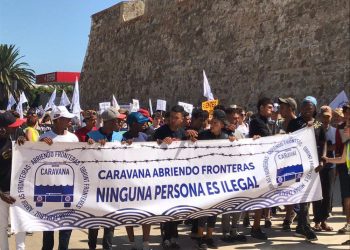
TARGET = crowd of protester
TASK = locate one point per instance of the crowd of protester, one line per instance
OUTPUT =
(280, 116)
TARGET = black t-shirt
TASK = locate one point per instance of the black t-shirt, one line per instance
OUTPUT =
(165, 131)
(320, 134)
(149, 131)
(208, 135)
(5, 164)
(195, 129)
(259, 126)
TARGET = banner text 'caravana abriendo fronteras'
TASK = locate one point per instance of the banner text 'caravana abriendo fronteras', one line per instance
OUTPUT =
(178, 190)
(75, 185)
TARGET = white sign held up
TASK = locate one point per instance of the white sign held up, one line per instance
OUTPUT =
(104, 105)
(161, 105)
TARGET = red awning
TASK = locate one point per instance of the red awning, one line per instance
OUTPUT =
(57, 78)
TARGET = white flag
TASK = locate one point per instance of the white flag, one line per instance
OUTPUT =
(339, 101)
(64, 99)
(187, 107)
(51, 103)
(75, 106)
(115, 103)
(150, 106)
(19, 108)
(11, 102)
(207, 90)
(23, 99)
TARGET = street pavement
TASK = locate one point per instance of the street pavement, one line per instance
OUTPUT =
(277, 238)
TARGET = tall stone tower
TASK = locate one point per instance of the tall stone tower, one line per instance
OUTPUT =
(248, 48)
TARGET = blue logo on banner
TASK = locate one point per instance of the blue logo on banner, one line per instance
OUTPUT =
(62, 192)
(288, 172)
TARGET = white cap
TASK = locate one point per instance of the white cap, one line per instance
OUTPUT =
(60, 111)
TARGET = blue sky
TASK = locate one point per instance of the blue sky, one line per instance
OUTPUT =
(52, 35)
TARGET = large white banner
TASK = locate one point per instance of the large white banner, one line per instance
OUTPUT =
(76, 185)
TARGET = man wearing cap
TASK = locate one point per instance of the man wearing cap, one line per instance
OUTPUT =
(338, 117)
(147, 128)
(90, 119)
(61, 119)
(137, 123)
(7, 124)
(109, 131)
(322, 208)
(307, 116)
(288, 108)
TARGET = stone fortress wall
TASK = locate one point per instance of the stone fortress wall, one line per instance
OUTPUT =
(248, 48)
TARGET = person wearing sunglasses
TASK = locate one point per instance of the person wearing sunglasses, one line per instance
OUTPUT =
(90, 119)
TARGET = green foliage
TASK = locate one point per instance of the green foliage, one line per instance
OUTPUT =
(12, 70)
(35, 93)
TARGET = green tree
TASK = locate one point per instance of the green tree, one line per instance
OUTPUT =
(12, 71)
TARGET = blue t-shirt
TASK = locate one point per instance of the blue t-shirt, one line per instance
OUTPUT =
(99, 135)
(140, 138)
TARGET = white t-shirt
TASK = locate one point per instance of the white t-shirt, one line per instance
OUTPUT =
(67, 137)
(244, 129)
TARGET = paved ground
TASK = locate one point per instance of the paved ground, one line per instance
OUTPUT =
(277, 238)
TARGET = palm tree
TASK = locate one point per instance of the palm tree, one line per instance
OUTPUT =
(12, 71)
